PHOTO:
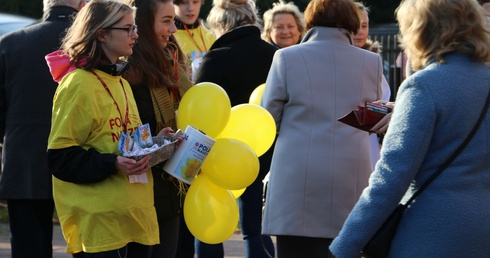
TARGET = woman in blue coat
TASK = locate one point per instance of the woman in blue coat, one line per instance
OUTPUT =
(436, 108)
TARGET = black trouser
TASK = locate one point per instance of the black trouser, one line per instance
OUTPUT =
(185, 247)
(297, 246)
(131, 250)
(31, 228)
(169, 230)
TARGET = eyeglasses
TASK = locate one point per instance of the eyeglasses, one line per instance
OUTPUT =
(131, 30)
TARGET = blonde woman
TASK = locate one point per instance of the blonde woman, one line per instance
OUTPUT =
(284, 25)
(361, 39)
(102, 213)
(447, 44)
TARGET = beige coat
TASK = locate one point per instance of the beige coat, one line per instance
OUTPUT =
(320, 166)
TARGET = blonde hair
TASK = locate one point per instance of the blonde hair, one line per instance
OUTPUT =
(282, 8)
(230, 14)
(432, 28)
(81, 38)
(373, 46)
(361, 7)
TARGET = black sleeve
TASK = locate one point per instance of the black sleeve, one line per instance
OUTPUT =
(211, 68)
(76, 165)
(3, 99)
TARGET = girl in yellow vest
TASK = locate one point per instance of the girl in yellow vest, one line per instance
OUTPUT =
(194, 39)
(102, 213)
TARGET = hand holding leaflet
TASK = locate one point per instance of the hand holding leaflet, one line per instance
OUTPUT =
(364, 118)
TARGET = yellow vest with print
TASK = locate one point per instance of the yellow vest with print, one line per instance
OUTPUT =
(106, 215)
(188, 40)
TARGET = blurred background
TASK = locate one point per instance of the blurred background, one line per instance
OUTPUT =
(383, 26)
(382, 11)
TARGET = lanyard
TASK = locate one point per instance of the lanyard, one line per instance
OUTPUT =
(176, 74)
(126, 121)
(192, 37)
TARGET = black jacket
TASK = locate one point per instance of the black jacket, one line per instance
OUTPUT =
(26, 99)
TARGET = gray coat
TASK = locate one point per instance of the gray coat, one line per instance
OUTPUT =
(26, 100)
(320, 166)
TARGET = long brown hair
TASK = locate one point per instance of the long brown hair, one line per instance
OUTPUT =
(150, 64)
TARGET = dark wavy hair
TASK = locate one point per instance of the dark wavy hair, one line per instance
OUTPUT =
(150, 64)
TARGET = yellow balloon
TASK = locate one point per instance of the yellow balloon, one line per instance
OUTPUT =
(231, 164)
(205, 106)
(210, 212)
(256, 95)
(237, 193)
(253, 125)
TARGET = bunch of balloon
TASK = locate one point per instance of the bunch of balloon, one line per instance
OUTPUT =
(210, 209)
(210, 212)
(231, 166)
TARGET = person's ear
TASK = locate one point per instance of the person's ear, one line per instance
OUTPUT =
(101, 35)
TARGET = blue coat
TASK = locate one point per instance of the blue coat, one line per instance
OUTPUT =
(435, 110)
